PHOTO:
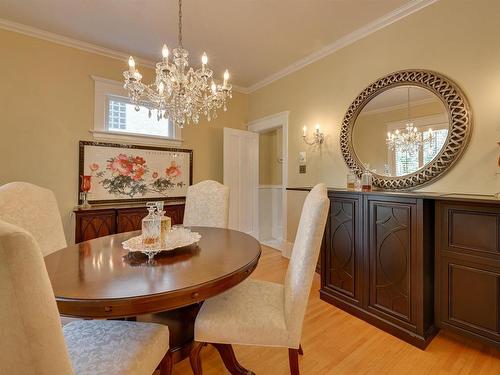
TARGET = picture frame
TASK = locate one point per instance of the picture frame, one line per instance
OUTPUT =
(124, 173)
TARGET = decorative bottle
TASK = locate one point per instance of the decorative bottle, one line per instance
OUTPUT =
(151, 230)
(366, 179)
(351, 180)
(165, 223)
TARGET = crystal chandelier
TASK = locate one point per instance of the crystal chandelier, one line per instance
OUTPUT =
(409, 140)
(179, 93)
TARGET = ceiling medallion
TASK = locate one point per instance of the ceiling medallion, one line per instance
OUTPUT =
(179, 93)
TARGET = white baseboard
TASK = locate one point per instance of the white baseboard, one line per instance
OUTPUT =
(287, 249)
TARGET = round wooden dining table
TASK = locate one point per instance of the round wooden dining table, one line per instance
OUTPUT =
(98, 279)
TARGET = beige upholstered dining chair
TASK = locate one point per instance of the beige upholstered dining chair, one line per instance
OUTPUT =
(207, 205)
(33, 341)
(35, 209)
(262, 313)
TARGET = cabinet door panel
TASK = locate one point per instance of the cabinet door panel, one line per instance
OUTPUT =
(470, 298)
(392, 248)
(94, 225)
(130, 219)
(343, 258)
(176, 213)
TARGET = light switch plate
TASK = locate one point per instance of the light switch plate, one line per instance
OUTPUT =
(302, 169)
(302, 158)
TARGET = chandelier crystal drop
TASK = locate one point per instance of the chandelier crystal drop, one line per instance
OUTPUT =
(409, 140)
(179, 92)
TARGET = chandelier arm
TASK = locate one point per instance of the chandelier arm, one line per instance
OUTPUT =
(180, 24)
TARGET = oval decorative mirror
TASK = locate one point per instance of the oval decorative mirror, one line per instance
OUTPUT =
(408, 128)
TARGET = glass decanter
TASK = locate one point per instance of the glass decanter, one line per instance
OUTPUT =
(351, 180)
(165, 224)
(366, 179)
(151, 232)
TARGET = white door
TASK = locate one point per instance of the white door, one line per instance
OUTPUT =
(241, 174)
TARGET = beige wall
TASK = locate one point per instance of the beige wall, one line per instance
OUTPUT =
(270, 169)
(46, 107)
(458, 38)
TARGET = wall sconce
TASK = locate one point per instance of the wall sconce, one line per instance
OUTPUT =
(318, 137)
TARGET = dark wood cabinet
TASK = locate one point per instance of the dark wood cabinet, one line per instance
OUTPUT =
(392, 251)
(377, 260)
(342, 255)
(104, 220)
(468, 269)
(91, 224)
(411, 263)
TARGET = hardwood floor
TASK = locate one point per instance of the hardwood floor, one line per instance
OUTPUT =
(335, 342)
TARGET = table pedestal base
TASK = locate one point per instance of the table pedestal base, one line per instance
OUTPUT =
(180, 323)
(227, 354)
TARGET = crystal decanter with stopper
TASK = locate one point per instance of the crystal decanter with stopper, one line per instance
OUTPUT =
(165, 223)
(151, 231)
(351, 180)
(367, 179)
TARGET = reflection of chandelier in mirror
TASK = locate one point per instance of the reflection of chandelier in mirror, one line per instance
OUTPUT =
(179, 92)
(409, 140)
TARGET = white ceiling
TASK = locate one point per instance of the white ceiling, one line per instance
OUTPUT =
(256, 39)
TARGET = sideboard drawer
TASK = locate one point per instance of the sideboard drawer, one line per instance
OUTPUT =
(470, 229)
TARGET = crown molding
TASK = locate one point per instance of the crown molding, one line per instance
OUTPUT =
(394, 16)
(384, 21)
(69, 42)
(84, 46)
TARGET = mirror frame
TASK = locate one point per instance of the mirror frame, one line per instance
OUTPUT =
(459, 118)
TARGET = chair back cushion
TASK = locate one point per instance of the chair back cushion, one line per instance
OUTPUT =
(34, 209)
(300, 273)
(32, 338)
(207, 205)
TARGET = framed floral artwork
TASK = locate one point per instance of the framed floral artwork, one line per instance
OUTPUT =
(129, 173)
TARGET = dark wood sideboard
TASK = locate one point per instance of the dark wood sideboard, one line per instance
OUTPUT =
(468, 268)
(103, 220)
(411, 263)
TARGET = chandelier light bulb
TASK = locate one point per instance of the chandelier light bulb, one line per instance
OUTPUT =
(131, 63)
(213, 87)
(304, 131)
(317, 127)
(161, 88)
(204, 59)
(165, 51)
(226, 76)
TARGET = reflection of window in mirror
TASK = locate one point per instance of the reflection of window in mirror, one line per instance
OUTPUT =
(392, 110)
(402, 163)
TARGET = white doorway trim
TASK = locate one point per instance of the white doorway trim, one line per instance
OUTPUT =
(264, 124)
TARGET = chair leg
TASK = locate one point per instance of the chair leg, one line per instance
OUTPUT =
(227, 354)
(194, 357)
(166, 364)
(293, 359)
(301, 352)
